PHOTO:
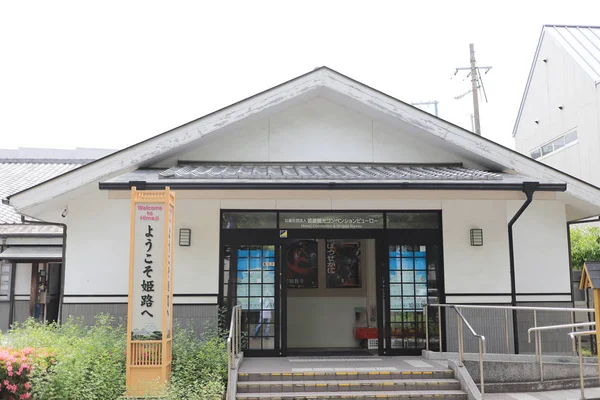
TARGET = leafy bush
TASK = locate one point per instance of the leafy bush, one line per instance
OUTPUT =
(585, 245)
(72, 361)
(199, 365)
(88, 362)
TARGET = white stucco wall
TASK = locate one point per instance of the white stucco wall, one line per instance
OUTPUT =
(98, 240)
(318, 130)
(562, 81)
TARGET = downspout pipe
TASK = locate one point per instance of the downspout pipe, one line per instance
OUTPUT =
(529, 189)
(63, 260)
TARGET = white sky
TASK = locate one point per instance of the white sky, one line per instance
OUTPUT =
(109, 74)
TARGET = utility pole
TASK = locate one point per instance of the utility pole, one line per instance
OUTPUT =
(474, 74)
(475, 81)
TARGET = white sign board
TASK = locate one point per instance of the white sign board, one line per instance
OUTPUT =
(148, 271)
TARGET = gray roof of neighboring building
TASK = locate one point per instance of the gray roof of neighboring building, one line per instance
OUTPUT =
(17, 176)
(581, 42)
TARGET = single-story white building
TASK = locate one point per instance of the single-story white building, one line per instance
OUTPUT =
(322, 205)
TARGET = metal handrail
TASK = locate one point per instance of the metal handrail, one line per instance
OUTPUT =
(462, 320)
(234, 349)
(538, 339)
(482, 342)
(574, 336)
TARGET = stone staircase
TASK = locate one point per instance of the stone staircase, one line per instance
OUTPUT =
(363, 385)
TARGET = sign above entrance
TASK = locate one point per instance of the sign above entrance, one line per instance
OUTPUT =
(331, 220)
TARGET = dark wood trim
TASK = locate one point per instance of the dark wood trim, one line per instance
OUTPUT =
(33, 289)
(11, 310)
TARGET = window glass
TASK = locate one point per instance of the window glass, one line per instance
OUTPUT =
(249, 220)
(5, 269)
(537, 153)
(571, 137)
(558, 143)
(547, 149)
(413, 221)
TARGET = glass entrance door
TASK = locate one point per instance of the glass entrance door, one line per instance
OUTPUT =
(250, 279)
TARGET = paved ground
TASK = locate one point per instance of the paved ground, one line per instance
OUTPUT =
(339, 364)
(574, 394)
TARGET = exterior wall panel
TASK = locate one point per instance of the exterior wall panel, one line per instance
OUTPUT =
(21, 311)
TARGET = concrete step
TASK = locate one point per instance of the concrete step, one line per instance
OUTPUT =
(358, 385)
(373, 395)
(337, 375)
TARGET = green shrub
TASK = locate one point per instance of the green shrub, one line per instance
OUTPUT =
(199, 365)
(72, 361)
(89, 362)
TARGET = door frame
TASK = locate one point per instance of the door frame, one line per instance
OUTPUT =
(331, 234)
(406, 237)
(383, 238)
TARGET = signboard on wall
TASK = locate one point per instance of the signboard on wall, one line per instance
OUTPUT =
(330, 221)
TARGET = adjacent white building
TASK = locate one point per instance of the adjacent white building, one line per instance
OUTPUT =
(317, 201)
(559, 118)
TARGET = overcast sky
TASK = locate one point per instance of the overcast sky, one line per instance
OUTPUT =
(108, 74)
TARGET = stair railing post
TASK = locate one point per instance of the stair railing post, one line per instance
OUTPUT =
(460, 341)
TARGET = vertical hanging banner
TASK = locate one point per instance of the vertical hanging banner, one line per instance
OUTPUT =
(150, 306)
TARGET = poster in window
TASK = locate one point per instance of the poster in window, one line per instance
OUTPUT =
(302, 264)
(343, 264)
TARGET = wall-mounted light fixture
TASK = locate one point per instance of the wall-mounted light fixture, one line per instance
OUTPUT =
(185, 237)
(476, 237)
(560, 107)
(537, 121)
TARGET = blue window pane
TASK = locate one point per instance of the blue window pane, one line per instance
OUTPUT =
(420, 263)
(408, 290)
(407, 254)
(268, 264)
(243, 302)
(242, 290)
(255, 303)
(269, 277)
(394, 253)
(255, 253)
(396, 302)
(408, 303)
(408, 276)
(395, 276)
(396, 290)
(242, 264)
(421, 290)
(421, 301)
(269, 253)
(408, 263)
(394, 263)
(421, 276)
(420, 254)
(242, 253)
(255, 290)
(268, 290)
(255, 277)
(243, 277)
(255, 263)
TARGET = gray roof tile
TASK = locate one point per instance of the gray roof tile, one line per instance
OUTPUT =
(326, 171)
(18, 176)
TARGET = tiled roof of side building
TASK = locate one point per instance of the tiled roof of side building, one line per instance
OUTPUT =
(16, 176)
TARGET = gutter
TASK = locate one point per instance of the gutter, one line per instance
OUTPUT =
(63, 260)
(528, 188)
(292, 185)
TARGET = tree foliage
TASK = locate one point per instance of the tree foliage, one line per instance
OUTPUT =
(585, 245)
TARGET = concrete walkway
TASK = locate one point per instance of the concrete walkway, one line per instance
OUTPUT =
(338, 364)
(573, 394)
